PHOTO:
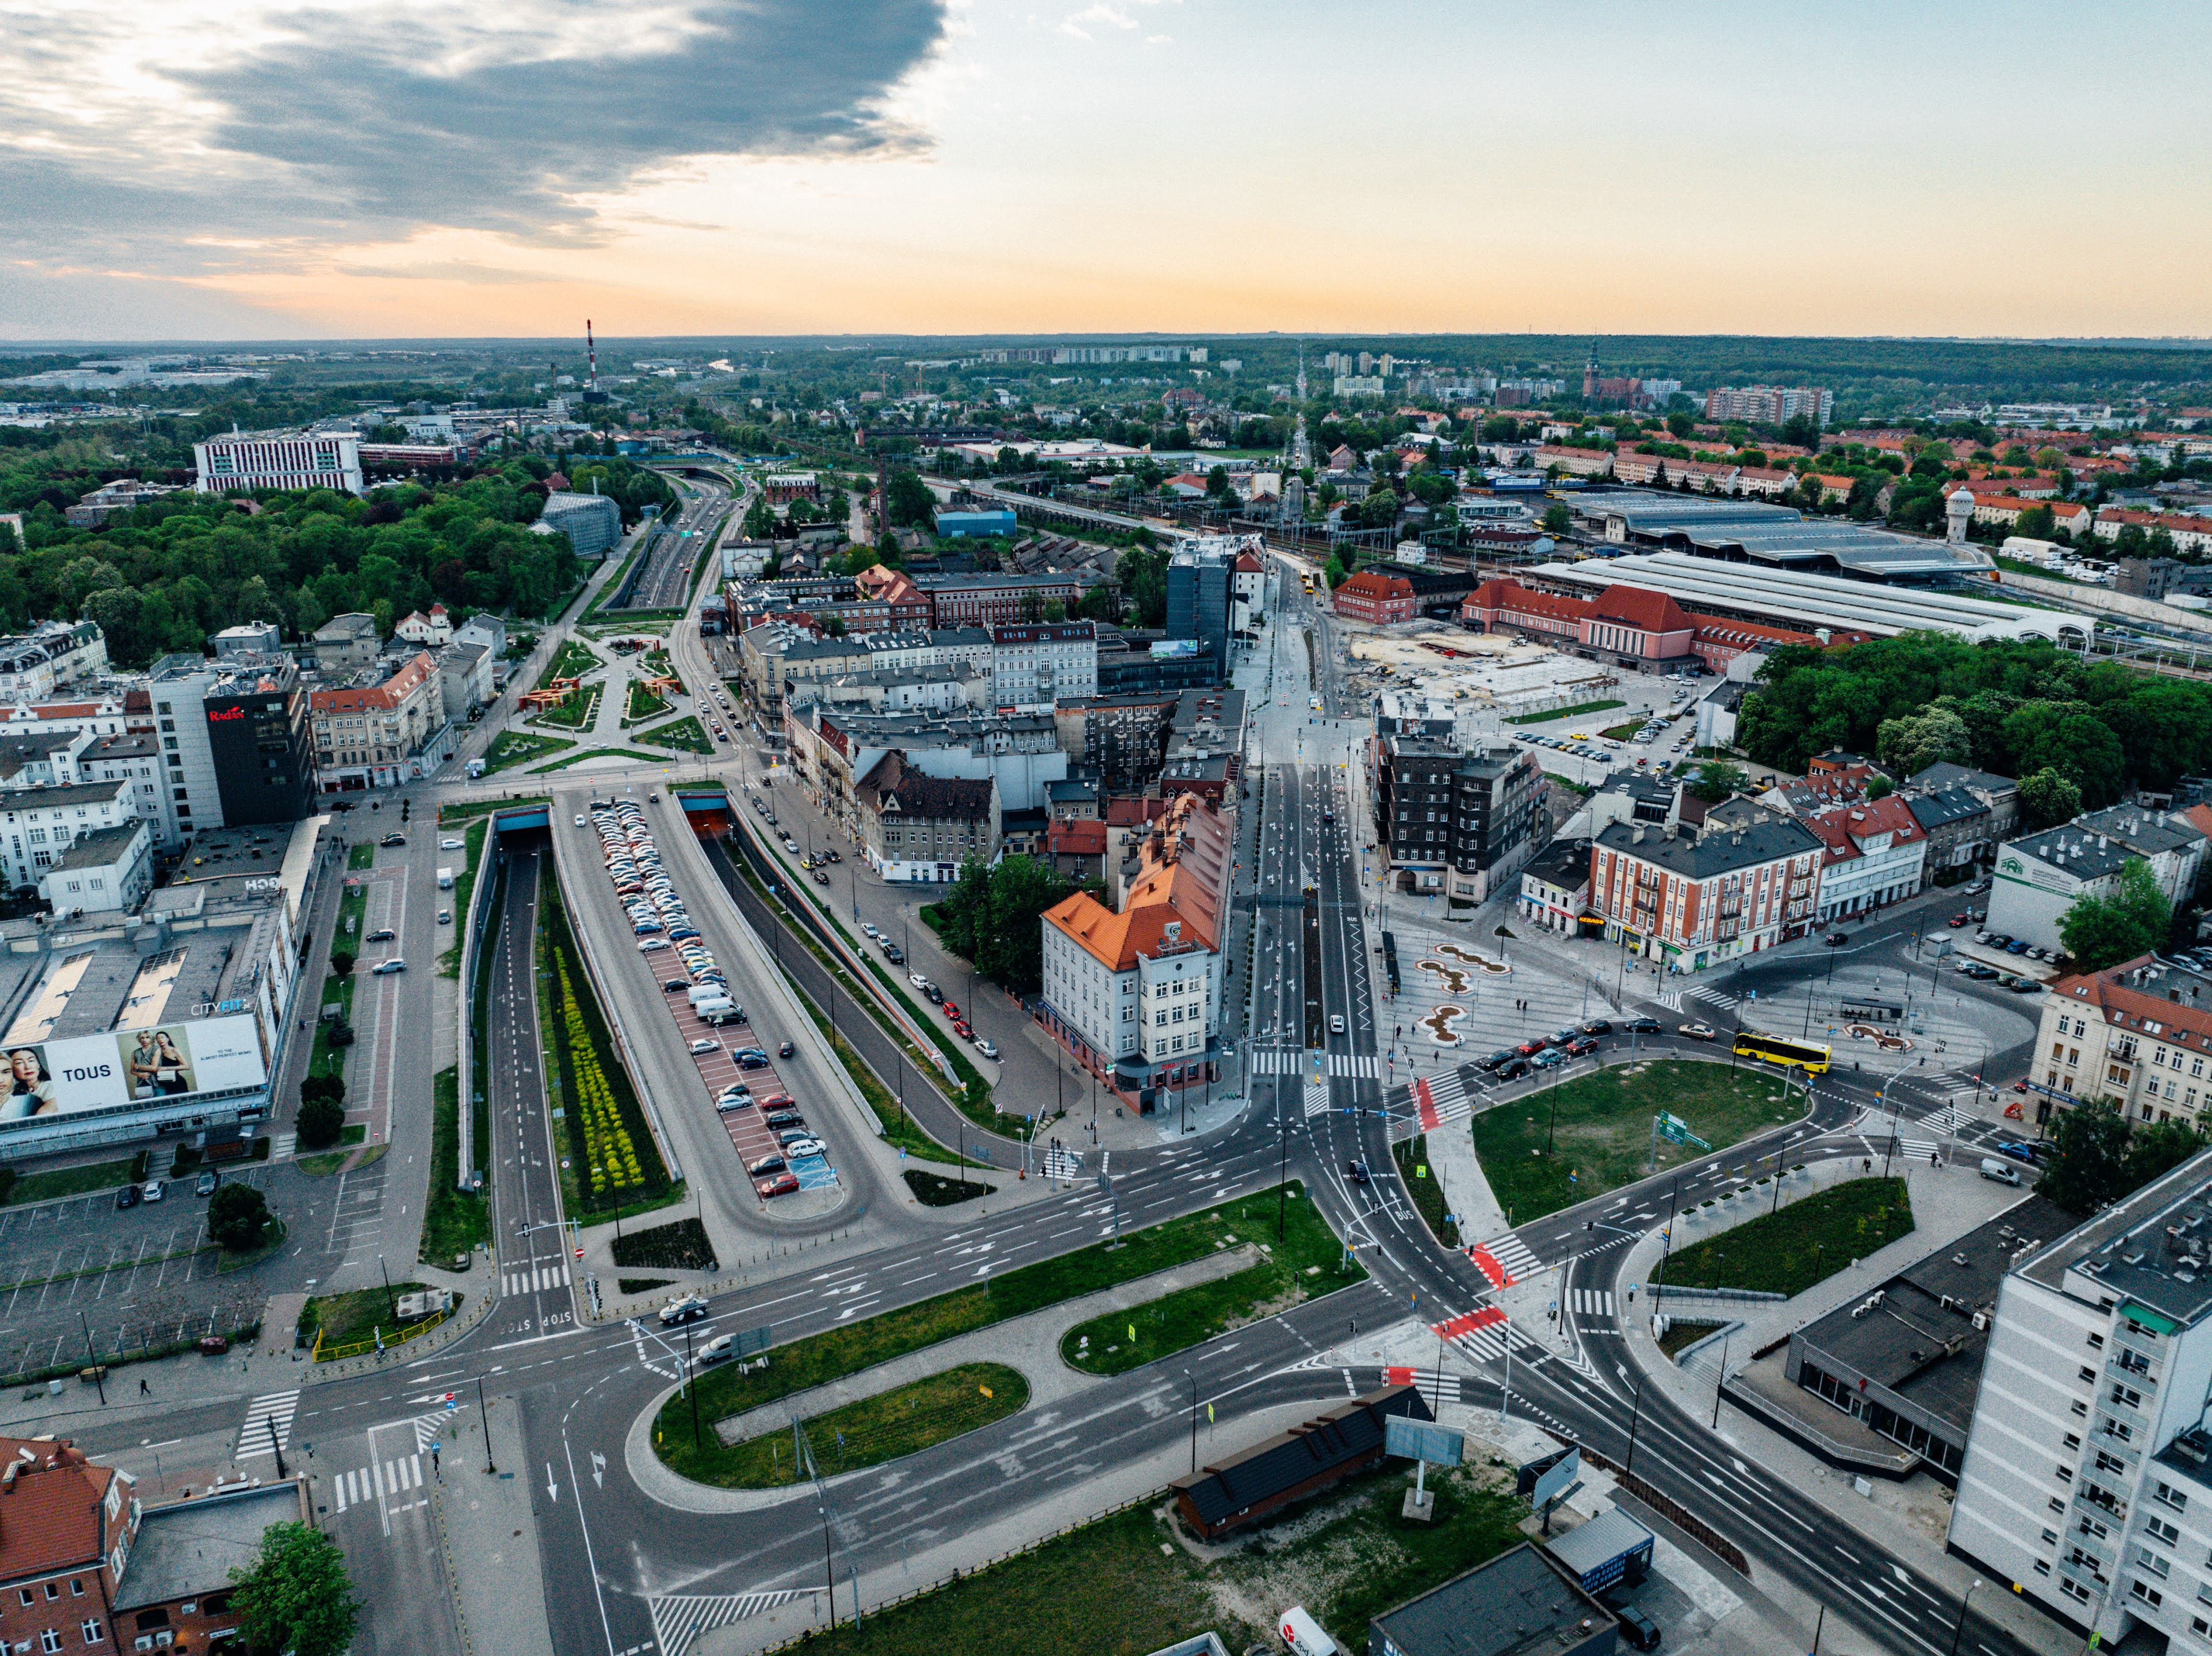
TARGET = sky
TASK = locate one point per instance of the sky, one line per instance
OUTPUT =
(243, 169)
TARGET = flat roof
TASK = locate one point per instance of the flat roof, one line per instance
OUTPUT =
(2146, 1250)
(188, 1548)
(1519, 1604)
(1920, 1342)
(1761, 593)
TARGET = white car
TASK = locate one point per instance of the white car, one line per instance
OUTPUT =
(646, 946)
(868, 927)
(799, 1148)
(987, 1046)
(916, 979)
(383, 968)
(449, 845)
(579, 819)
(705, 1045)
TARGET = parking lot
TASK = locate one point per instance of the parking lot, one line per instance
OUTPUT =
(746, 1124)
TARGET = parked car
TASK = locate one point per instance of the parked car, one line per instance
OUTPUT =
(784, 1119)
(766, 1165)
(1549, 1056)
(1579, 1045)
(986, 1045)
(704, 1046)
(1500, 1059)
(151, 1190)
(128, 1197)
(1513, 1069)
(729, 1104)
(384, 968)
(393, 840)
(2022, 985)
(1958, 919)
(647, 945)
(800, 1148)
(2018, 1151)
(384, 934)
(675, 983)
(782, 1185)
(1561, 1037)
(1697, 1031)
(209, 1181)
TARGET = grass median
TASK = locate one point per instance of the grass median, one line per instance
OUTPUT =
(1562, 1144)
(870, 1431)
(1309, 1258)
(1575, 712)
(513, 748)
(837, 1352)
(1787, 1251)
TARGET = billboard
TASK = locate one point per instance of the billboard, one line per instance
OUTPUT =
(162, 1062)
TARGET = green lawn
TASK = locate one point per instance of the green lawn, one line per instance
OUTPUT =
(861, 1344)
(1682, 1334)
(449, 963)
(1805, 1242)
(453, 1219)
(361, 856)
(582, 754)
(1309, 1258)
(575, 710)
(1428, 1194)
(1574, 711)
(342, 1319)
(686, 733)
(1123, 1586)
(572, 660)
(1622, 732)
(644, 704)
(72, 1181)
(1603, 1138)
(519, 748)
(326, 1060)
(902, 1422)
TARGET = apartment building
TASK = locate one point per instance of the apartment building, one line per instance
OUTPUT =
(50, 657)
(1696, 896)
(1770, 405)
(1873, 852)
(2137, 1036)
(1034, 665)
(1121, 737)
(380, 733)
(2086, 1480)
(235, 736)
(916, 828)
(1456, 822)
(1135, 994)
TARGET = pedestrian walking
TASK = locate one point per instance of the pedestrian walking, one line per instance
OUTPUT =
(144, 1390)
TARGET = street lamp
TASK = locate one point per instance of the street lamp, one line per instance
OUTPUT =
(1961, 1626)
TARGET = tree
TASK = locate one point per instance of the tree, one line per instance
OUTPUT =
(1880, 788)
(1379, 510)
(1101, 603)
(1681, 424)
(296, 1595)
(1716, 780)
(2036, 523)
(238, 1217)
(341, 963)
(990, 919)
(2102, 931)
(760, 520)
(1558, 519)
(1911, 745)
(2087, 1170)
(1142, 574)
(907, 502)
(2157, 1147)
(2048, 798)
(321, 1121)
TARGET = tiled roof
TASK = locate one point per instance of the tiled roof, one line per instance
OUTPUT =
(1642, 608)
(1350, 1432)
(1377, 588)
(390, 694)
(50, 1515)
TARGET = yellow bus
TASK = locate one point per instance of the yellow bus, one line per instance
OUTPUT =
(1790, 1054)
(1309, 581)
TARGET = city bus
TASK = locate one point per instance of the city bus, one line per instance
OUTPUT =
(1791, 1054)
(1309, 581)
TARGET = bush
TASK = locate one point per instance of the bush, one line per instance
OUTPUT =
(238, 1217)
(341, 963)
(321, 1121)
(682, 1246)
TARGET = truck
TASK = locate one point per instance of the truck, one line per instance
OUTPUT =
(475, 768)
(722, 1010)
(445, 879)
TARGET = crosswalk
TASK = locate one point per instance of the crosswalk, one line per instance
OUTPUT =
(535, 1278)
(1276, 1061)
(1435, 1388)
(680, 1618)
(1432, 1102)
(1316, 1099)
(1504, 1260)
(1062, 1162)
(1485, 1335)
(376, 1481)
(1947, 1121)
(1592, 1301)
(268, 1426)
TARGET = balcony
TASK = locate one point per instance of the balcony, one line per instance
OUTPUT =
(2142, 1379)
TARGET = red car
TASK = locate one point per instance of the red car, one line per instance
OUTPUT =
(1531, 1048)
(960, 1029)
(952, 1011)
(782, 1185)
(1958, 919)
(1580, 1045)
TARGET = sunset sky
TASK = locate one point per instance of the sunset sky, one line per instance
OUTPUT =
(268, 168)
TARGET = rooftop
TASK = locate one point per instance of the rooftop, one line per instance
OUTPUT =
(1519, 1604)
(2145, 1252)
(189, 1546)
(1716, 852)
(53, 1508)
(1920, 1339)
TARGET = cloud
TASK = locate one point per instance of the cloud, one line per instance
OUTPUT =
(200, 138)
(1112, 16)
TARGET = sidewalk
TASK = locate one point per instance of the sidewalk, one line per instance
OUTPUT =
(1947, 1203)
(488, 1541)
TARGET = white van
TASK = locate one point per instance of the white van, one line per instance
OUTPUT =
(1301, 1634)
(2004, 1172)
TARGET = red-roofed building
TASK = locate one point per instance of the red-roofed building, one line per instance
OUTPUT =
(1371, 597)
(1992, 507)
(2137, 1035)
(1135, 995)
(1077, 846)
(374, 736)
(1873, 854)
(1630, 625)
(2189, 534)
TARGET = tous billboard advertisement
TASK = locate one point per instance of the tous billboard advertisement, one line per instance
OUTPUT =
(131, 1066)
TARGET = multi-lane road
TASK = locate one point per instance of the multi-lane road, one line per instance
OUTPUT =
(625, 1567)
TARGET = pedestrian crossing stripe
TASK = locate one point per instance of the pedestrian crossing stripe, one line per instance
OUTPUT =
(1593, 1303)
(1061, 1162)
(265, 1415)
(1438, 1389)
(377, 1480)
(1274, 1061)
(678, 1618)
(1486, 1335)
(535, 1279)
(1504, 1260)
(1947, 1120)
(1316, 1099)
